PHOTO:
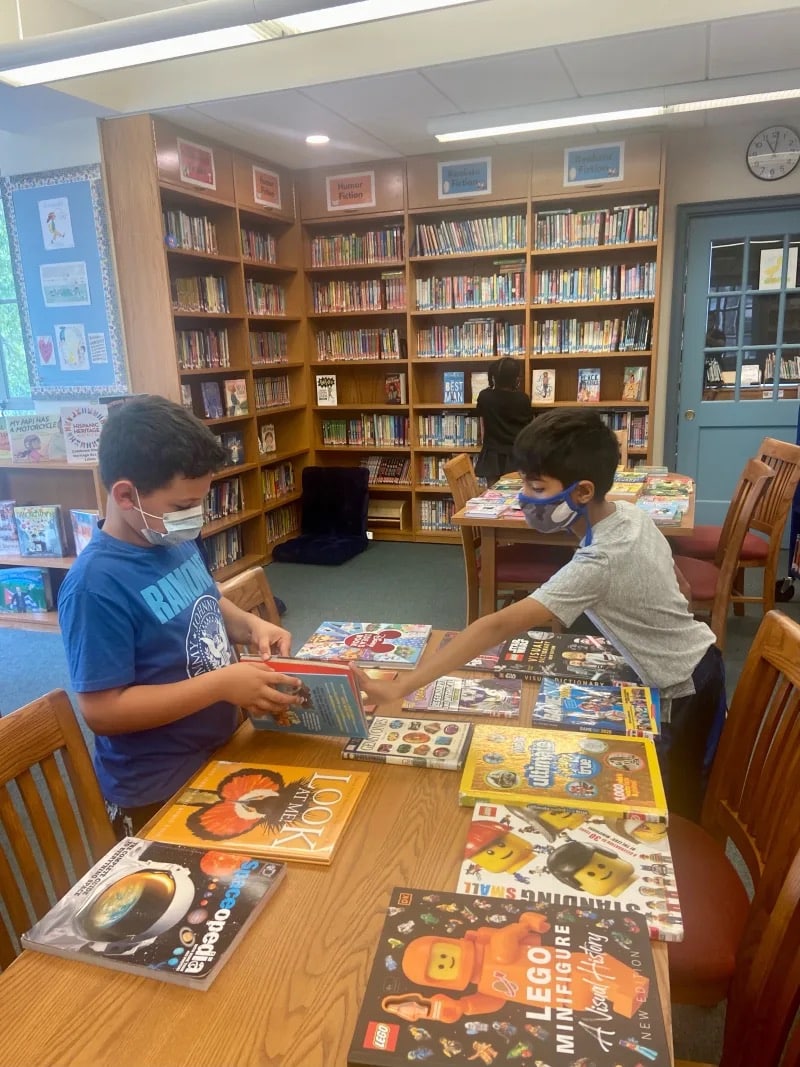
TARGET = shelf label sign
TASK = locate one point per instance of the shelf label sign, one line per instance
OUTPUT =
(593, 164)
(196, 164)
(267, 188)
(465, 177)
(351, 192)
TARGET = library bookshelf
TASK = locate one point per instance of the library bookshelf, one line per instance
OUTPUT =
(564, 279)
(66, 484)
(214, 313)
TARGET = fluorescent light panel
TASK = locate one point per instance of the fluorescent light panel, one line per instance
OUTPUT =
(363, 11)
(659, 111)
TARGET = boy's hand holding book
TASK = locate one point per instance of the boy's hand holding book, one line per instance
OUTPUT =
(379, 691)
(253, 685)
(268, 638)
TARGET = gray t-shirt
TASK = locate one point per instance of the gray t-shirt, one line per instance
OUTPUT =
(625, 583)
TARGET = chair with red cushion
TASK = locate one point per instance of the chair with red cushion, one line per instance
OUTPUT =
(519, 568)
(711, 583)
(759, 549)
(752, 802)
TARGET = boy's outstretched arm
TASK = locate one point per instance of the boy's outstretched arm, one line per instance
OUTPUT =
(489, 630)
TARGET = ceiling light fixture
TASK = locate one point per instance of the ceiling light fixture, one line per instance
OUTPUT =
(317, 138)
(622, 115)
(192, 29)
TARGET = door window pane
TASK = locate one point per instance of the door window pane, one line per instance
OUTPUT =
(793, 271)
(727, 260)
(791, 320)
(765, 264)
(719, 375)
(761, 319)
(722, 329)
(789, 368)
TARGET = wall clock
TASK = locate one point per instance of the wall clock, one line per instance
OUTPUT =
(773, 153)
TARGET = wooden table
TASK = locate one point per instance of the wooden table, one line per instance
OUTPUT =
(497, 529)
(290, 993)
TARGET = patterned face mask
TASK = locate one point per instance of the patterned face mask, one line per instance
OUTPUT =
(552, 514)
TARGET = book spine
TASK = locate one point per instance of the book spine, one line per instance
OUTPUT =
(403, 761)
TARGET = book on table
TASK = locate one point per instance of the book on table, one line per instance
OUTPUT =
(159, 910)
(450, 695)
(368, 644)
(604, 775)
(456, 978)
(634, 710)
(412, 743)
(576, 860)
(268, 810)
(484, 661)
(566, 657)
(327, 700)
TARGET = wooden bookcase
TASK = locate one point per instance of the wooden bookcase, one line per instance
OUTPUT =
(505, 258)
(212, 293)
(68, 485)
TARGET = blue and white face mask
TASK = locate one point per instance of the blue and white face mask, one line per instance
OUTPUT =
(552, 514)
(179, 526)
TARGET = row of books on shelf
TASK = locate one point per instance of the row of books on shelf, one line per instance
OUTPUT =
(37, 530)
(388, 470)
(220, 399)
(198, 349)
(568, 228)
(278, 481)
(224, 548)
(71, 436)
(259, 245)
(357, 249)
(543, 384)
(586, 285)
(272, 391)
(431, 469)
(395, 389)
(505, 287)
(282, 522)
(471, 338)
(789, 368)
(482, 234)
(268, 346)
(264, 298)
(387, 293)
(449, 430)
(436, 515)
(200, 293)
(378, 343)
(388, 430)
(629, 334)
(224, 498)
(196, 233)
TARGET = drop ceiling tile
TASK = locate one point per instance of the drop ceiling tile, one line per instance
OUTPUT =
(387, 95)
(637, 61)
(753, 45)
(503, 81)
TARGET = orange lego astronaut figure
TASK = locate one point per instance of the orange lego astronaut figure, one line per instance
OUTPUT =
(501, 965)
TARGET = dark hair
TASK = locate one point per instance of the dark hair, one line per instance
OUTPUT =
(151, 440)
(505, 373)
(566, 860)
(571, 446)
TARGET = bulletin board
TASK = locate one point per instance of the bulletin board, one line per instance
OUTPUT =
(63, 269)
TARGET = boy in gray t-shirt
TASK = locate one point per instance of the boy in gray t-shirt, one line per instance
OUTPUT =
(622, 577)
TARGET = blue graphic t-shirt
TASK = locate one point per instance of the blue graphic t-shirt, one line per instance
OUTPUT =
(132, 615)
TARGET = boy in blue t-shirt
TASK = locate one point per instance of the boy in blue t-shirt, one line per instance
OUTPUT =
(622, 576)
(146, 631)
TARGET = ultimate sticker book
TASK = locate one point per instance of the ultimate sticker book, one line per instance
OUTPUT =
(157, 910)
(494, 697)
(413, 743)
(634, 710)
(577, 860)
(515, 765)
(368, 644)
(296, 813)
(458, 979)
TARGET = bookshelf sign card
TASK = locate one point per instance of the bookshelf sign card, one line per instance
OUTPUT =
(267, 188)
(196, 164)
(465, 177)
(592, 164)
(351, 192)
(64, 274)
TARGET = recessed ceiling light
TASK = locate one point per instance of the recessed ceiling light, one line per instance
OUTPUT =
(317, 138)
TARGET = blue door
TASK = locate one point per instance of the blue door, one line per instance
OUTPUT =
(740, 363)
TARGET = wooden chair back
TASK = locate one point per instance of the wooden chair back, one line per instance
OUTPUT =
(251, 592)
(773, 508)
(53, 821)
(463, 484)
(752, 484)
(622, 437)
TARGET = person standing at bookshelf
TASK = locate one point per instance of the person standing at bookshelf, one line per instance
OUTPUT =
(146, 632)
(504, 409)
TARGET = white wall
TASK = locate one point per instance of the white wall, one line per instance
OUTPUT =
(703, 165)
(68, 144)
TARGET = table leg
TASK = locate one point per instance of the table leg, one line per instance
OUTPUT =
(488, 570)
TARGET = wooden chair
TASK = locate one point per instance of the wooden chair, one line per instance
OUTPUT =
(759, 549)
(520, 568)
(51, 809)
(765, 991)
(251, 591)
(752, 802)
(711, 583)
